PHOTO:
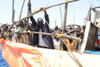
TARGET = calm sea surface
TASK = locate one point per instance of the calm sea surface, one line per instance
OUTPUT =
(3, 63)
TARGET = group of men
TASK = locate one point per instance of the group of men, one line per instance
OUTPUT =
(45, 41)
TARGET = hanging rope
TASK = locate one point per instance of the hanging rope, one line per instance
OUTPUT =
(56, 57)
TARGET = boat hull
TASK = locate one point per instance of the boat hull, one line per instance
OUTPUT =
(22, 55)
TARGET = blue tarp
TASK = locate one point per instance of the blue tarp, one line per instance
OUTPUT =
(93, 52)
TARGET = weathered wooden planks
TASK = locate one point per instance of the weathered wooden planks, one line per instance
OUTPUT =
(89, 37)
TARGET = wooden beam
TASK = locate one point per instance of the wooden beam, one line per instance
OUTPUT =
(37, 11)
(63, 36)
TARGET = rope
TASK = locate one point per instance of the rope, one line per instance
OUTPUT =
(5, 34)
(56, 57)
(59, 35)
(66, 1)
(44, 9)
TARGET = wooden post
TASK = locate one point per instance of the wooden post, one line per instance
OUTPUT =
(64, 24)
(65, 17)
(21, 10)
(28, 7)
(13, 11)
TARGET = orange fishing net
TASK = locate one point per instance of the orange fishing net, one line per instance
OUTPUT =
(21, 55)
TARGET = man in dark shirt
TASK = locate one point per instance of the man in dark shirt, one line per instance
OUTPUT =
(38, 39)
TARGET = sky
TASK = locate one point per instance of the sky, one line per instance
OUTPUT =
(77, 11)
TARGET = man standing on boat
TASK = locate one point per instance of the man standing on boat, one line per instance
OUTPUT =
(40, 40)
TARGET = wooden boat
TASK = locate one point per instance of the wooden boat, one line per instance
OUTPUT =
(22, 55)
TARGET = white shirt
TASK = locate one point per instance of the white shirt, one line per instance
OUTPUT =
(56, 43)
(41, 42)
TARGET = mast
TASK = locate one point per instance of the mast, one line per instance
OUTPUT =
(29, 2)
(13, 11)
(21, 10)
(64, 22)
(65, 18)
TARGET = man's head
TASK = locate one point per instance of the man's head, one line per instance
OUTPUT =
(5, 28)
(40, 22)
(71, 27)
(21, 24)
(78, 29)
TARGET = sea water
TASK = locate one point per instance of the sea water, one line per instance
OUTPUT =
(3, 63)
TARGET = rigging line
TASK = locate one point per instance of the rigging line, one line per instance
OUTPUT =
(56, 57)
(21, 10)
